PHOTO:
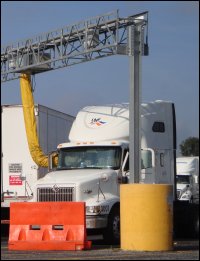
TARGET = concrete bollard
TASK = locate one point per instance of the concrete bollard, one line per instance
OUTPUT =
(146, 217)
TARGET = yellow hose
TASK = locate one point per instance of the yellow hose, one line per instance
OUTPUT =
(30, 123)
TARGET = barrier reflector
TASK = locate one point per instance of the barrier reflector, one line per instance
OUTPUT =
(5, 221)
(48, 226)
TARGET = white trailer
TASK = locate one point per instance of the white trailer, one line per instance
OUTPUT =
(95, 162)
(18, 170)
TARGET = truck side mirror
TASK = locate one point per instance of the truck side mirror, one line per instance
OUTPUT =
(50, 164)
(51, 160)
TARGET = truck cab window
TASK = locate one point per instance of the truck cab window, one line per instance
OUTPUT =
(182, 179)
(158, 126)
(146, 159)
(100, 157)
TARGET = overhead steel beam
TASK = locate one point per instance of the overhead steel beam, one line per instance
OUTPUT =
(88, 40)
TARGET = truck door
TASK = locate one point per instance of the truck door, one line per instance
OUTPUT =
(147, 166)
(163, 167)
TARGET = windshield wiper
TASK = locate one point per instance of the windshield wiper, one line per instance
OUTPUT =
(63, 168)
(72, 168)
(92, 168)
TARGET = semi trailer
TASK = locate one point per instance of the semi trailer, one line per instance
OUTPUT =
(18, 170)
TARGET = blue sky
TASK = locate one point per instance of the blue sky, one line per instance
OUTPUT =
(170, 72)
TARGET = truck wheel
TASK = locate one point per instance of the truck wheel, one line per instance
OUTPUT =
(111, 234)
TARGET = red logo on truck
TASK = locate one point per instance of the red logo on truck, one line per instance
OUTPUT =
(97, 122)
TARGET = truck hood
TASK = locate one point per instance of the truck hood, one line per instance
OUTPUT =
(75, 176)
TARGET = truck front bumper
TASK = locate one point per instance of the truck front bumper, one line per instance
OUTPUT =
(96, 221)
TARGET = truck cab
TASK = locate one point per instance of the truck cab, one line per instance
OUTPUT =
(95, 162)
(187, 178)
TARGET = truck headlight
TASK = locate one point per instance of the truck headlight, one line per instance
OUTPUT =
(93, 209)
(104, 209)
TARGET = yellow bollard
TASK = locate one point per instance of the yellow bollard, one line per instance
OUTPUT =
(146, 217)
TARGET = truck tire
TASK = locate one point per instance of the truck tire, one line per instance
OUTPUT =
(111, 234)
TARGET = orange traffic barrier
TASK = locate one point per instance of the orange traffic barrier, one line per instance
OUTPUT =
(47, 226)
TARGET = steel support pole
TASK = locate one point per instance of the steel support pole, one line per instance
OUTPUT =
(135, 103)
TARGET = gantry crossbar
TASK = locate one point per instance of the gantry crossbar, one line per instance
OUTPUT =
(87, 40)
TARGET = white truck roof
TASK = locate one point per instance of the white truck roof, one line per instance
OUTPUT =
(111, 122)
(100, 123)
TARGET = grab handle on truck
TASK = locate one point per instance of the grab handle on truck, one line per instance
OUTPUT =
(125, 169)
(5, 192)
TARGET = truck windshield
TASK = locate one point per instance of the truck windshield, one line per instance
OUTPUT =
(89, 157)
(182, 179)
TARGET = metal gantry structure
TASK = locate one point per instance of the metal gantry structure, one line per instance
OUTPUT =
(88, 40)
(84, 41)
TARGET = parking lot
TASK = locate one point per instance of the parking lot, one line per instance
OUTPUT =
(183, 250)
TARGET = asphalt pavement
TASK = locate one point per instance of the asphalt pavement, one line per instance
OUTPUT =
(183, 250)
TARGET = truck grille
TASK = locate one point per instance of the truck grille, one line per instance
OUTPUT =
(55, 194)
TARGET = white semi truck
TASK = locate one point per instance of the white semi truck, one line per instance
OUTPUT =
(186, 207)
(95, 162)
(187, 178)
